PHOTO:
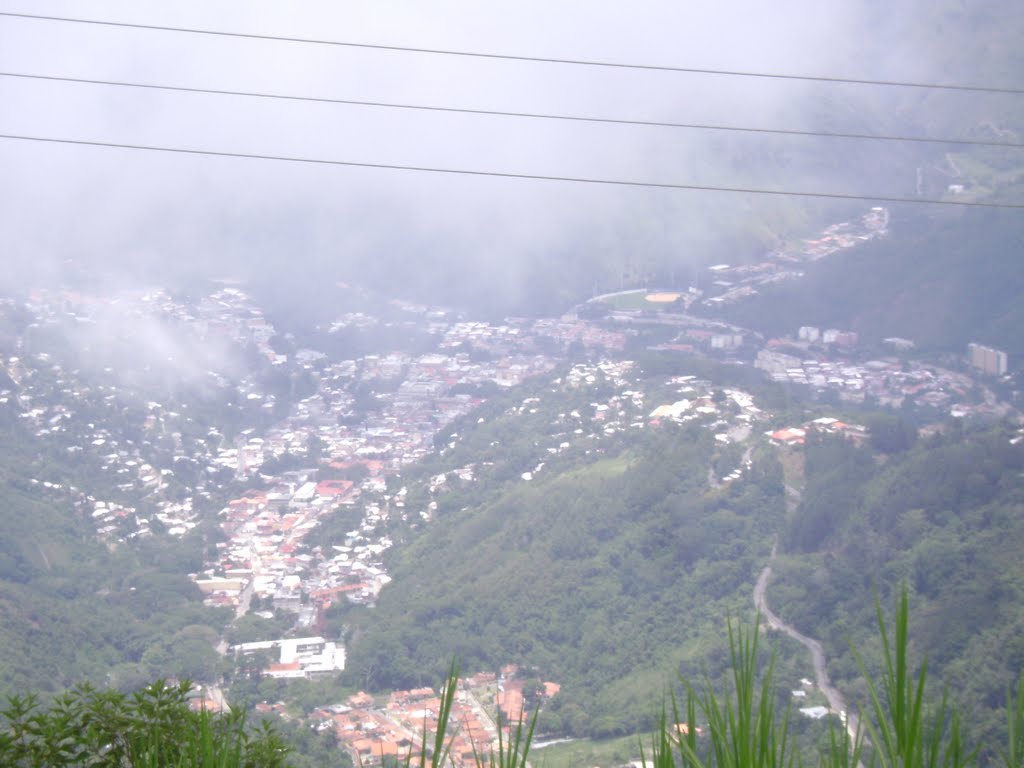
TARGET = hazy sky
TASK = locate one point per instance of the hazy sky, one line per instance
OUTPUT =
(116, 207)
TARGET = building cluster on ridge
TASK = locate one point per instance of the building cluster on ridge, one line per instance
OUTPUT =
(735, 283)
(886, 381)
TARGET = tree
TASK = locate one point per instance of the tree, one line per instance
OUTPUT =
(109, 729)
(890, 434)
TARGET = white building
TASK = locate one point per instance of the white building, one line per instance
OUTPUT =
(986, 359)
(300, 657)
(808, 333)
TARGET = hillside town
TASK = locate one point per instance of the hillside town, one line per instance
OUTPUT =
(731, 283)
(272, 439)
(298, 436)
(373, 729)
(826, 369)
(164, 465)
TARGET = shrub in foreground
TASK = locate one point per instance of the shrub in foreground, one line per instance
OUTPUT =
(151, 728)
(902, 726)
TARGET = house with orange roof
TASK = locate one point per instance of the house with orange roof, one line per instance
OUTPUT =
(789, 436)
(333, 488)
(511, 704)
(360, 699)
(204, 704)
(551, 689)
(371, 750)
(683, 729)
(285, 670)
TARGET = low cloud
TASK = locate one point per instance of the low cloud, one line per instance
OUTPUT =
(143, 214)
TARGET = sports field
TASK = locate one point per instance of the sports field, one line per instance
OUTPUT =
(661, 298)
(641, 299)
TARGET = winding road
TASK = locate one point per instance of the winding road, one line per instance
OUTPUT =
(835, 699)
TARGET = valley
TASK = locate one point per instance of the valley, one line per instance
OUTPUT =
(318, 473)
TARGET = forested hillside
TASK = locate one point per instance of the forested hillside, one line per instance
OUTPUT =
(72, 608)
(940, 279)
(608, 576)
(612, 571)
(946, 518)
(668, 239)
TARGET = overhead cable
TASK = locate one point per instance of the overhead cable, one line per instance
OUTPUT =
(524, 58)
(509, 175)
(504, 113)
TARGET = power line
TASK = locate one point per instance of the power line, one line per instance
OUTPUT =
(512, 57)
(502, 113)
(507, 175)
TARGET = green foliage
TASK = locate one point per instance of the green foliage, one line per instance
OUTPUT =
(836, 470)
(153, 727)
(636, 533)
(74, 609)
(513, 752)
(942, 517)
(1013, 755)
(743, 728)
(890, 433)
(904, 730)
(940, 280)
(437, 755)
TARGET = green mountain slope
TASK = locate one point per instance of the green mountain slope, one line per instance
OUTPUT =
(665, 238)
(947, 519)
(606, 577)
(72, 608)
(941, 280)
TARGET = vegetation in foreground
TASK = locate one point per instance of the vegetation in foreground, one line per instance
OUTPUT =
(153, 727)
(737, 725)
(944, 518)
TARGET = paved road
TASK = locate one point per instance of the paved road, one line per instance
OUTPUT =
(481, 712)
(835, 699)
(714, 482)
(243, 608)
(244, 600)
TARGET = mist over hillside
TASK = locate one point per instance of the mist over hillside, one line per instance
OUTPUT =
(942, 280)
(498, 244)
(338, 342)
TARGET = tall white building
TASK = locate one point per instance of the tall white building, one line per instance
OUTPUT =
(986, 359)
(808, 333)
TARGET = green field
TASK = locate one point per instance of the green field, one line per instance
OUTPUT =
(589, 752)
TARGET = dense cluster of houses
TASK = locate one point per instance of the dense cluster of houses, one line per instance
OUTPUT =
(373, 730)
(93, 411)
(797, 436)
(265, 528)
(80, 380)
(887, 381)
(722, 409)
(264, 555)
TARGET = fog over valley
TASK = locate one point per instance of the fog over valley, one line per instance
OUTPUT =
(377, 377)
(522, 244)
